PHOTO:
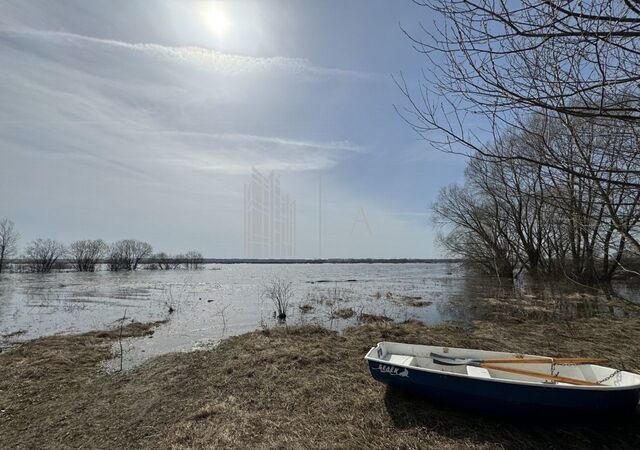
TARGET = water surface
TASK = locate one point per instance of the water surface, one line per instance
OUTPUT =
(225, 299)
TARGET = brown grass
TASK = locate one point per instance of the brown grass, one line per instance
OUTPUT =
(302, 387)
(305, 308)
(373, 318)
(343, 313)
(417, 303)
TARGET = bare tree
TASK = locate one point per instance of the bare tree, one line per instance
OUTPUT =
(8, 241)
(540, 219)
(116, 260)
(127, 254)
(574, 57)
(280, 292)
(163, 261)
(193, 260)
(570, 64)
(42, 254)
(500, 62)
(87, 253)
(138, 251)
(474, 232)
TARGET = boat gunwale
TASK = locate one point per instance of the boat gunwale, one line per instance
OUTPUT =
(603, 387)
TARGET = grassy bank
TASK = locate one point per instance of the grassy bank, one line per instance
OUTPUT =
(303, 387)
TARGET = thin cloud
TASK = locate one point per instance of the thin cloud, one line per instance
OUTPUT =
(204, 58)
(251, 138)
(238, 153)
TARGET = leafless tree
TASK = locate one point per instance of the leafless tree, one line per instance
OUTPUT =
(473, 230)
(127, 254)
(578, 58)
(573, 65)
(541, 219)
(42, 254)
(8, 241)
(193, 260)
(116, 260)
(280, 292)
(87, 253)
(167, 262)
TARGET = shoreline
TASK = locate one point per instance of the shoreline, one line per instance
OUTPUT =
(301, 386)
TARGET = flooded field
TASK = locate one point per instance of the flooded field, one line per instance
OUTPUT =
(201, 307)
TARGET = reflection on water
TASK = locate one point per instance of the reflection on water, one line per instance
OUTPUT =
(207, 305)
(522, 299)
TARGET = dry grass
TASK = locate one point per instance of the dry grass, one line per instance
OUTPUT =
(374, 318)
(343, 313)
(303, 387)
(416, 302)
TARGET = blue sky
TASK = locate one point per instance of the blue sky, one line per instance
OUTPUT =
(143, 119)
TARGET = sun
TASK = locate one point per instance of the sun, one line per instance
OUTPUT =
(215, 18)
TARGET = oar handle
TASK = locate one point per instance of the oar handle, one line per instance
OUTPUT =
(462, 360)
(544, 360)
(540, 375)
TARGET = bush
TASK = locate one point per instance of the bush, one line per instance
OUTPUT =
(280, 292)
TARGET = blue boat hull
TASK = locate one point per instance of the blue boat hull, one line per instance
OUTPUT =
(505, 398)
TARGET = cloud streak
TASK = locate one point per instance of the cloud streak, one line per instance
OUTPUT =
(207, 59)
(238, 153)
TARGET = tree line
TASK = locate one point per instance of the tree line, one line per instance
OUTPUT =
(43, 255)
(553, 178)
(511, 215)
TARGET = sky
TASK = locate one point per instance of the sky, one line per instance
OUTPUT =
(137, 119)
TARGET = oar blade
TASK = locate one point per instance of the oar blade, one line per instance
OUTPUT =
(449, 360)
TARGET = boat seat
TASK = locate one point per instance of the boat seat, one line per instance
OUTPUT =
(401, 359)
(479, 372)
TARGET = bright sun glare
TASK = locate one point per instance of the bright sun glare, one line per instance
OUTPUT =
(215, 18)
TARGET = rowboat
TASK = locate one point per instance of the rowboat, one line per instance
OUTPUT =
(505, 383)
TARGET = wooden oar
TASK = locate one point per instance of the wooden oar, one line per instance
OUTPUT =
(540, 375)
(546, 360)
(452, 361)
(523, 360)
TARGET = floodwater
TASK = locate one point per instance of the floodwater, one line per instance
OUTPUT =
(225, 299)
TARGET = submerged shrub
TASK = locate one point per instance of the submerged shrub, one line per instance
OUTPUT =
(280, 292)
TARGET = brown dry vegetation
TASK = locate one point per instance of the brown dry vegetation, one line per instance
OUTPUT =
(373, 318)
(343, 313)
(301, 387)
(305, 308)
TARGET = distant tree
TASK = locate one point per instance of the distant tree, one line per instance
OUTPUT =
(87, 253)
(127, 254)
(193, 259)
(42, 254)
(165, 261)
(116, 260)
(138, 251)
(8, 241)
(162, 261)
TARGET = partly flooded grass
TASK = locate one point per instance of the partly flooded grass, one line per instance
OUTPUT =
(208, 305)
(289, 387)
